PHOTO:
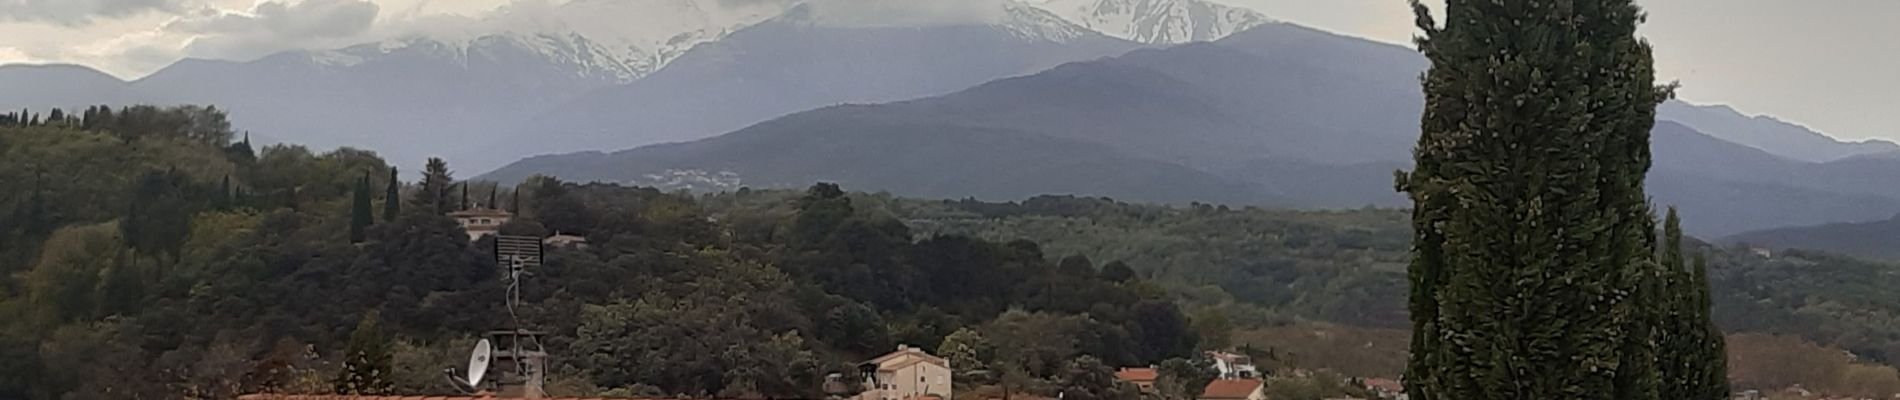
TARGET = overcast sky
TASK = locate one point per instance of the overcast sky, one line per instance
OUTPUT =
(1833, 65)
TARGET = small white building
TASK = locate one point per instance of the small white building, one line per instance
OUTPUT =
(906, 374)
(481, 221)
(1234, 366)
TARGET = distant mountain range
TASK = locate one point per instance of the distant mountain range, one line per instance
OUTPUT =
(1148, 100)
(1280, 115)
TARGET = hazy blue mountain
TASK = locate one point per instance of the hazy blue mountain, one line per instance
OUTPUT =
(1770, 134)
(797, 62)
(56, 85)
(886, 148)
(1297, 116)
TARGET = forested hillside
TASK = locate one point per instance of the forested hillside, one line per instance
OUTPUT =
(151, 251)
(148, 256)
(1263, 268)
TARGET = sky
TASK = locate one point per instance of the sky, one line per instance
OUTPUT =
(1832, 65)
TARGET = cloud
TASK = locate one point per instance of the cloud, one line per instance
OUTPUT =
(81, 12)
(274, 26)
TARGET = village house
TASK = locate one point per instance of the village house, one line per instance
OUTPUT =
(1143, 378)
(1234, 366)
(481, 221)
(906, 374)
(1235, 389)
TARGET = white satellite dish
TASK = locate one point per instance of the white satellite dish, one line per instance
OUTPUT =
(478, 362)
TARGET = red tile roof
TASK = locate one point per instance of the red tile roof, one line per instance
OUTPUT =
(1231, 388)
(1138, 374)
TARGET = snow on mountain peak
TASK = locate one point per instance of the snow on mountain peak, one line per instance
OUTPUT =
(1157, 21)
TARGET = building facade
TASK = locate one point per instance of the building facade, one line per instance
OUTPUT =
(906, 374)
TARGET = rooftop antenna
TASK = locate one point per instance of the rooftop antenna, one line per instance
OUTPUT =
(521, 360)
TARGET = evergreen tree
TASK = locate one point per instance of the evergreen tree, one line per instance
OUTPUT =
(367, 362)
(492, 192)
(464, 197)
(514, 204)
(1709, 369)
(434, 192)
(57, 116)
(392, 197)
(361, 215)
(1532, 259)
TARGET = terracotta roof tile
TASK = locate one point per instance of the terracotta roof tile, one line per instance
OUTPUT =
(1138, 374)
(1230, 388)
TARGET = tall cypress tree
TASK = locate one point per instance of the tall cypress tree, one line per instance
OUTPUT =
(361, 215)
(1709, 368)
(1533, 251)
(392, 197)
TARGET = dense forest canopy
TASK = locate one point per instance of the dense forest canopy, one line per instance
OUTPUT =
(163, 258)
(178, 263)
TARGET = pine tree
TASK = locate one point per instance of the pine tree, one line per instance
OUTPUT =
(361, 215)
(367, 363)
(434, 192)
(1533, 256)
(392, 197)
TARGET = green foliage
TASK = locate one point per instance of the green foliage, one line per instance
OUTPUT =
(1184, 378)
(361, 215)
(1087, 378)
(392, 197)
(967, 350)
(433, 193)
(367, 364)
(1532, 274)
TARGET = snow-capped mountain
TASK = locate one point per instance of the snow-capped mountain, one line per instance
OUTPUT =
(1157, 21)
(808, 58)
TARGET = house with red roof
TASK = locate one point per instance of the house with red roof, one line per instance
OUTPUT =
(1235, 389)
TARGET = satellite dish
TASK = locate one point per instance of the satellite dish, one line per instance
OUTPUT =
(478, 362)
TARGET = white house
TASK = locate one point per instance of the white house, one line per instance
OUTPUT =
(481, 221)
(906, 374)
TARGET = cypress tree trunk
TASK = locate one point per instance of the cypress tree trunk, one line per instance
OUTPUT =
(392, 197)
(1533, 256)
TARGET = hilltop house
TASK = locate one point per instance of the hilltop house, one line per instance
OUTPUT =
(906, 374)
(1234, 366)
(481, 221)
